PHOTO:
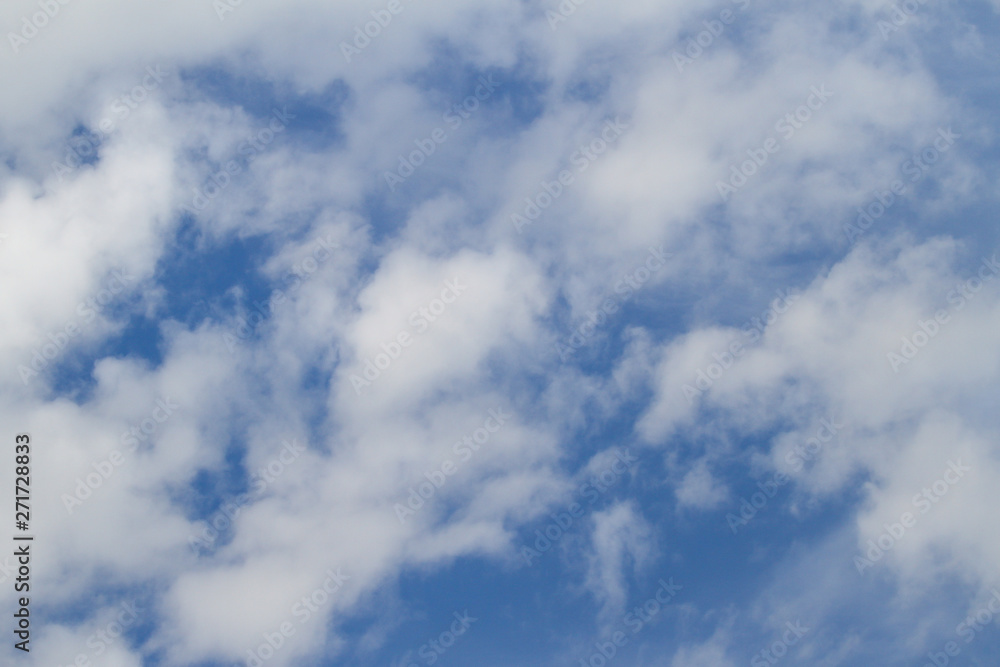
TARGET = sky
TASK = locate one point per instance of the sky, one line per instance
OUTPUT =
(535, 333)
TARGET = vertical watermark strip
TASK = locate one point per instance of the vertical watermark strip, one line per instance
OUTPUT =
(22, 543)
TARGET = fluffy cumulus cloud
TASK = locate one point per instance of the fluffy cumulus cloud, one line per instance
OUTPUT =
(390, 332)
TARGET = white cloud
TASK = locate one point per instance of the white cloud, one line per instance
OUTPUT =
(622, 542)
(489, 346)
(700, 489)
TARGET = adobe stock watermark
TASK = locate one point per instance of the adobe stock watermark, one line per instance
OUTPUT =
(249, 149)
(927, 330)
(436, 647)
(899, 15)
(625, 289)
(322, 251)
(753, 329)
(130, 439)
(421, 320)
(786, 126)
(977, 622)
(464, 449)
(581, 158)
(224, 517)
(967, 629)
(697, 45)
(797, 458)
(590, 490)
(914, 168)
(303, 610)
(84, 146)
(562, 12)
(223, 7)
(923, 501)
(106, 637)
(87, 311)
(454, 117)
(636, 620)
(30, 27)
(779, 648)
(363, 35)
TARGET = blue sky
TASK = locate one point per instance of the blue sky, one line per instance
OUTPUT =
(522, 317)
